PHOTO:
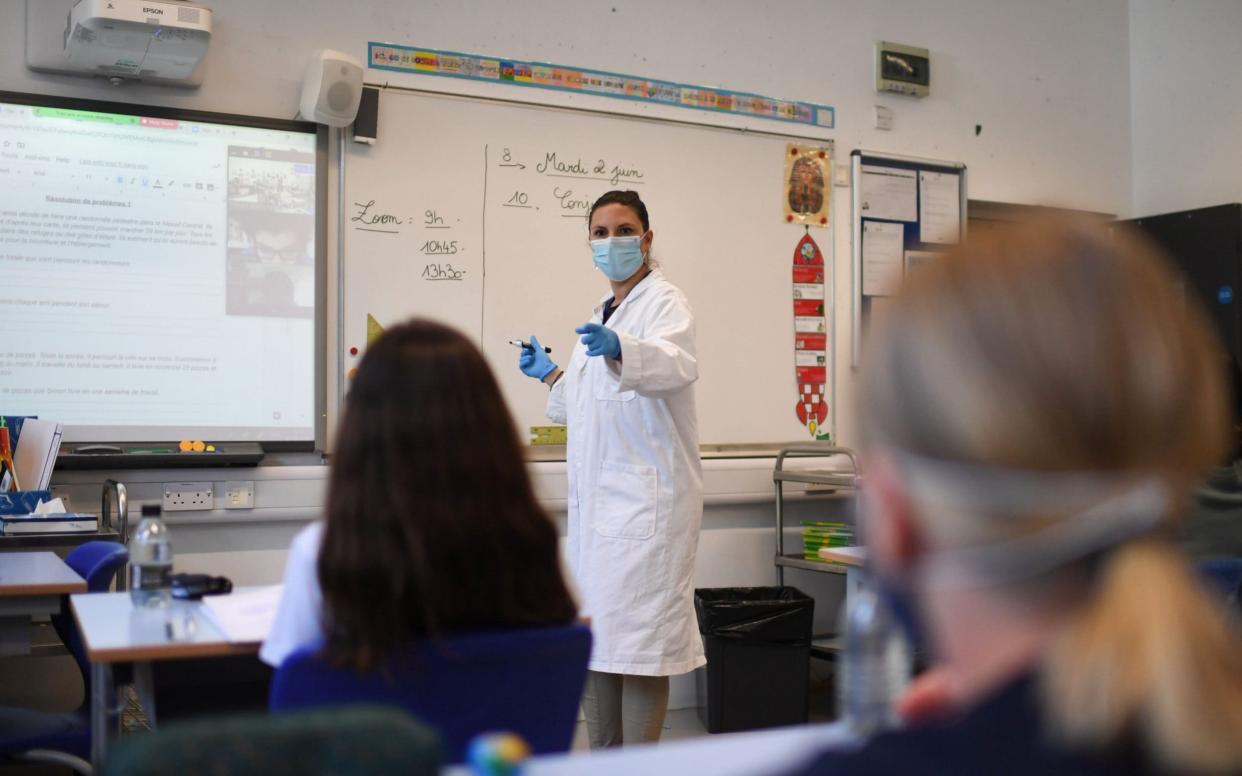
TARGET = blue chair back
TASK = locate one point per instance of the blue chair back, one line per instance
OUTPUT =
(22, 730)
(527, 682)
(1221, 574)
(97, 563)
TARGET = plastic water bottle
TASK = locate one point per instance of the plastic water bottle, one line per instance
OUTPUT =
(875, 663)
(150, 561)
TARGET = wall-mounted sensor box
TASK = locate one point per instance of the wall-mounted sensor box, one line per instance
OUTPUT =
(902, 69)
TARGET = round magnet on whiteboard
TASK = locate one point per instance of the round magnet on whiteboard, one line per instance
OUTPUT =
(823, 219)
(199, 446)
(211, 448)
(353, 371)
(185, 446)
(793, 152)
(821, 154)
(789, 218)
(353, 351)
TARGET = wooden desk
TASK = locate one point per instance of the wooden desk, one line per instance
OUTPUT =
(114, 631)
(31, 584)
(854, 559)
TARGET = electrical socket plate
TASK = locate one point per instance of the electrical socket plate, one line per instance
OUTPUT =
(239, 494)
(188, 496)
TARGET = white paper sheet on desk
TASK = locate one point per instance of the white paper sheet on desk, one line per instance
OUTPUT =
(53, 507)
(246, 616)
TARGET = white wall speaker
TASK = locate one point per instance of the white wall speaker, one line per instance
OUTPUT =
(331, 88)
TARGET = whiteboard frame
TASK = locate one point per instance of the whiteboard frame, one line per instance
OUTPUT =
(485, 95)
(857, 157)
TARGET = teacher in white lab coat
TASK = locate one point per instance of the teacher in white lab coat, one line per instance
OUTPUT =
(635, 478)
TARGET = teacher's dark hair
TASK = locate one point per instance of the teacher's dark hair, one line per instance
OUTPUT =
(628, 198)
(432, 524)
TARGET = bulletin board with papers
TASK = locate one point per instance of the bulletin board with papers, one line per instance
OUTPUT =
(905, 211)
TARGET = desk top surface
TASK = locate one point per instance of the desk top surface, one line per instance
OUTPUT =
(114, 631)
(731, 754)
(45, 541)
(850, 556)
(37, 573)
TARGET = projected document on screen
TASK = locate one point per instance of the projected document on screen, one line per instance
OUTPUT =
(157, 276)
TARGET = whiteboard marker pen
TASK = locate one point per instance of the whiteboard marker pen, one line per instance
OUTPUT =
(520, 344)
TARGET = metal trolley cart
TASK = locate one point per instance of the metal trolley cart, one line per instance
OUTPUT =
(844, 481)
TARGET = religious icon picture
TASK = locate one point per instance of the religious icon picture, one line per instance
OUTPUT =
(807, 184)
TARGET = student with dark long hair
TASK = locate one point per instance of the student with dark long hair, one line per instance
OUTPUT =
(431, 524)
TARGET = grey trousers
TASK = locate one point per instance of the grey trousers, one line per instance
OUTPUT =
(624, 709)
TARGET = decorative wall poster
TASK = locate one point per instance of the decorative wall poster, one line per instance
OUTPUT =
(541, 75)
(811, 337)
(808, 177)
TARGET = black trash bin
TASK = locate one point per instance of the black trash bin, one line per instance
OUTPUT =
(758, 643)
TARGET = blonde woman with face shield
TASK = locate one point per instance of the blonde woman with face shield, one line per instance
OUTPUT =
(1035, 411)
(635, 479)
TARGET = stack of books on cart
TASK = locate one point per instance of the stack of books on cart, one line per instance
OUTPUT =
(820, 533)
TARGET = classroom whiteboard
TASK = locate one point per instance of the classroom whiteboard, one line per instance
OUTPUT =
(472, 212)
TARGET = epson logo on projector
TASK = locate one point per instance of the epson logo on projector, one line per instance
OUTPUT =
(145, 9)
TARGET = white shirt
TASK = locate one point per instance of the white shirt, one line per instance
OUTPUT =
(299, 617)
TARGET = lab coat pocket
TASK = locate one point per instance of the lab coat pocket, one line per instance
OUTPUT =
(625, 501)
(607, 391)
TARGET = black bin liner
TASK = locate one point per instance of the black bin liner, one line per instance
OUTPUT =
(758, 644)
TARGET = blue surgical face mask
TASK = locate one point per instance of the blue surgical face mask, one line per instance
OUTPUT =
(617, 257)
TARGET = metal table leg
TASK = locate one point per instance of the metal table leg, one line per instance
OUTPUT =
(103, 695)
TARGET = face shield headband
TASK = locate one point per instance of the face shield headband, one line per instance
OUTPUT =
(1089, 512)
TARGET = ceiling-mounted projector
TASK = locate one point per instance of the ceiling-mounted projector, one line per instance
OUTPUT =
(137, 39)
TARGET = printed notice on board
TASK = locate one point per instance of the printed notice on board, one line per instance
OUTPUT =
(917, 259)
(888, 192)
(940, 207)
(881, 258)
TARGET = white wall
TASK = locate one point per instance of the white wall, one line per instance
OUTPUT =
(1186, 104)
(1048, 81)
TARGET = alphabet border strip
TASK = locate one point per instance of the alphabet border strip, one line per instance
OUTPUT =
(451, 64)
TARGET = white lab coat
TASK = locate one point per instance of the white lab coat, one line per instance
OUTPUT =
(636, 484)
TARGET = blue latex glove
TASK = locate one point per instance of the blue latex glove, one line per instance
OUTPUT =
(600, 340)
(534, 362)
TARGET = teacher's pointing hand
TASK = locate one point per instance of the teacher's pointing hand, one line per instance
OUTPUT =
(599, 340)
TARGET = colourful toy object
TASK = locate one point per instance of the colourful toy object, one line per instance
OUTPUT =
(810, 288)
(497, 754)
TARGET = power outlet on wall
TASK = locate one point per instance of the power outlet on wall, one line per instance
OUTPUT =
(188, 496)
